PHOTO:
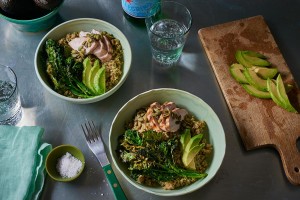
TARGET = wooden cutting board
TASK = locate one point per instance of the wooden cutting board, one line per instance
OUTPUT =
(260, 122)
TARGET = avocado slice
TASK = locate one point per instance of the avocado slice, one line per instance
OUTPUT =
(264, 72)
(87, 67)
(239, 57)
(91, 76)
(99, 81)
(254, 54)
(274, 93)
(255, 92)
(192, 165)
(254, 80)
(194, 141)
(191, 149)
(255, 60)
(283, 96)
(190, 155)
(185, 138)
(236, 71)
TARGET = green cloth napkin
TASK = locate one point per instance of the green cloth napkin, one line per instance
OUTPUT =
(22, 162)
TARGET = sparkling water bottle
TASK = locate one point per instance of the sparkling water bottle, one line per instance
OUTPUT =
(138, 8)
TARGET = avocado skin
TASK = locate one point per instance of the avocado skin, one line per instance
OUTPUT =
(7, 5)
(47, 4)
(14, 8)
(22, 9)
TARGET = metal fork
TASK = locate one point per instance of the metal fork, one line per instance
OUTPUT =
(94, 141)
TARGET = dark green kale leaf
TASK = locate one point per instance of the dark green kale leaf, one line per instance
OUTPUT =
(65, 73)
(133, 137)
(148, 154)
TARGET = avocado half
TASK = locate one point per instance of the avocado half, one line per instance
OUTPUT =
(48, 4)
(27, 9)
(17, 8)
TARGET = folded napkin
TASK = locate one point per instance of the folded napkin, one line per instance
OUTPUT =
(22, 162)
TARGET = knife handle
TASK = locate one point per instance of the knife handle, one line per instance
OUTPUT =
(114, 183)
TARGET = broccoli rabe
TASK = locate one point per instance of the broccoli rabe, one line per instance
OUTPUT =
(148, 154)
(64, 72)
(54, 63)
(74, 68)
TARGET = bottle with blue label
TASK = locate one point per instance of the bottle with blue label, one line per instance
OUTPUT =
(138, 8)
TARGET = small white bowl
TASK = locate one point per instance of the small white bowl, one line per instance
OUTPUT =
(182, 99)
(76, 25)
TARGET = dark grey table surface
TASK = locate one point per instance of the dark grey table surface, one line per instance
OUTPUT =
(256, 174)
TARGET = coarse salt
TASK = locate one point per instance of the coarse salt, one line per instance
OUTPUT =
(68, 166)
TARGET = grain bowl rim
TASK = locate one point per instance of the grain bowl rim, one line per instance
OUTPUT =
(218, 153)
(85, 21)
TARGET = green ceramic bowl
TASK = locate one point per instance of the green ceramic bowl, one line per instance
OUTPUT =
(76, 25)
(182, 99)
(34, 25)
(57, 153)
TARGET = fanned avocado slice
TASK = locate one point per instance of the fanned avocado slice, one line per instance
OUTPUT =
(255, 60)
(185, 138)
(194, 141)
(251, 58)
(236, 71)
(254, 80)
(254, 54)
(91, 76)
(256, 77)
(274, 93)
(188, 157)
(87, 66)
(99, 81)
(239, 57)
(191, 149)
(283, 96)
(255, 92)
(264, 72)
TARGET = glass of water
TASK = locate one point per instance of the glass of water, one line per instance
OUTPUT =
(168, 27)
(10, 104)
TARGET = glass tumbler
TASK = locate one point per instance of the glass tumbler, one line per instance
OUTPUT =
(10, 104)
(168, 25)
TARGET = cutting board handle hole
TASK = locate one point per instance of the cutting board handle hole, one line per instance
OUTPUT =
(296, 169)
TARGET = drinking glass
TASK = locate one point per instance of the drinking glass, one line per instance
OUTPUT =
(168, 25)
(10, 104)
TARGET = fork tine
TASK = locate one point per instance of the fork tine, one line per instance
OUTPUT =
(94, 127)
(85, 132)
(96, 145)
(95, 131)
(90, 132)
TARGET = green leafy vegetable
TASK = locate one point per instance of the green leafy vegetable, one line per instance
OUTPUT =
(149, 154)
(133, 137)
(65, 73)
